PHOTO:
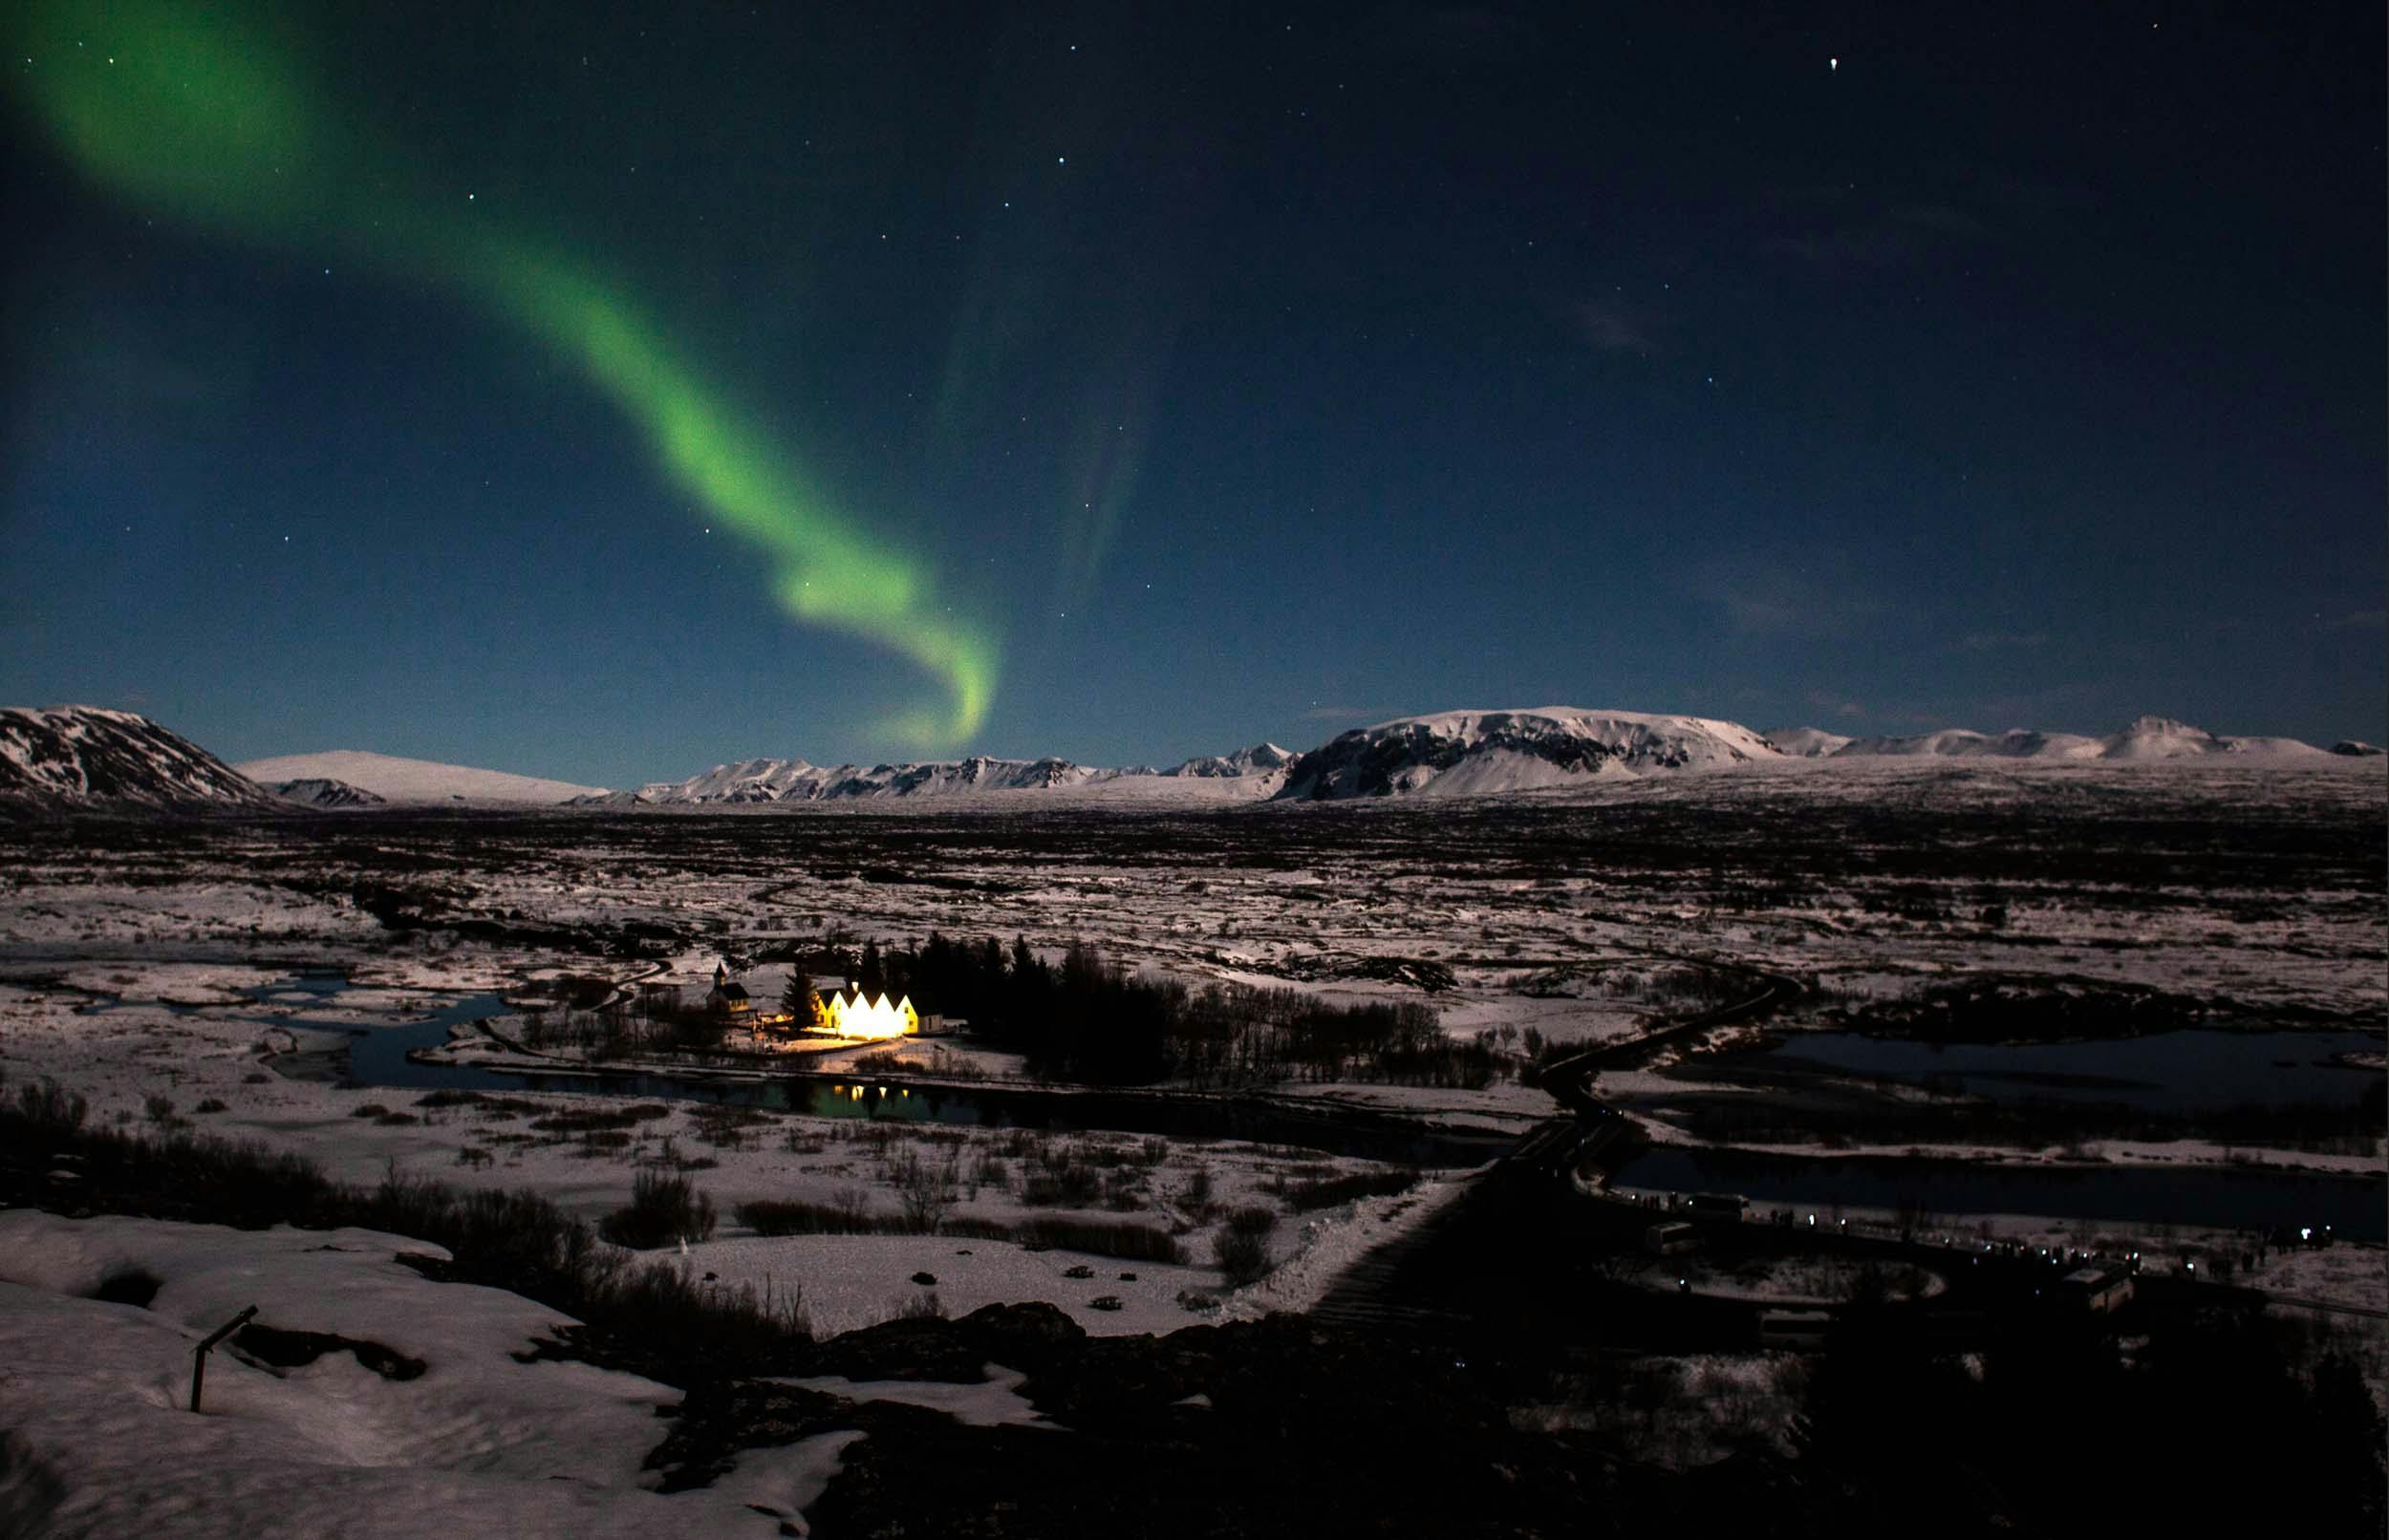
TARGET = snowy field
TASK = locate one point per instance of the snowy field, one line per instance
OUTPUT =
(1573, 918)
(472, 1440)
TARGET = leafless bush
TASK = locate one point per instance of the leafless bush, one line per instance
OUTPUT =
(1241, 1247)
(662, 1210)
(926, 1190)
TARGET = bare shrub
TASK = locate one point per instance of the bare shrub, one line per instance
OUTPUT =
(1328, 1192)
(777, 1216)
(1194, 1198)
(926, 1190)
(1241, 1247)
(662, 1210)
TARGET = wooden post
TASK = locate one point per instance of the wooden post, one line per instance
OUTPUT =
(198, 1353)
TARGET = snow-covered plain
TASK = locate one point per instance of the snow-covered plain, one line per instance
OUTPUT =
(151, 968)
(1583, 914)
(100, 1442)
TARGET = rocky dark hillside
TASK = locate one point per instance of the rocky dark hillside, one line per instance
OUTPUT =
(1471, 753)
(70, 756)
(319, 791)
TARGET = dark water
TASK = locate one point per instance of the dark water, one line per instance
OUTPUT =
(2233, 1196)
(2188, 1196)
(2176, 1072)
(377, 1056)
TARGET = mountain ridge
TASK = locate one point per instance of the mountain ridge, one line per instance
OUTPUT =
(97, 756)
(2146, 738)
(70, 756)
(1478, 753)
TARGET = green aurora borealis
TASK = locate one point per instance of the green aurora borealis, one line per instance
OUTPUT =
(607, 389)
(188, 114)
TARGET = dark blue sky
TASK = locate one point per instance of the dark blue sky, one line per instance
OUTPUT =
(1248, 375)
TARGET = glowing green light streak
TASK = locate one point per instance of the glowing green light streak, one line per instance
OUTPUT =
(178, 110)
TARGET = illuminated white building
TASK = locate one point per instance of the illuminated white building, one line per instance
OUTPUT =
(853, 1014)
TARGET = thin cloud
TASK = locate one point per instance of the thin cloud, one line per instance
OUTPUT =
(1815, 597)
(1826, 700)
(1997, 641)
(1897, 235)
(2358, 620)
(1836, 250)
(1945, 219)
(1344, 714)
(1612, 326)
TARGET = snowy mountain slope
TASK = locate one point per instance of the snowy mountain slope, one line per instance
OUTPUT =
(2147, 739)
(1807, 742)
(794, 780)
(1476, 753)
(1260, 759)
(2356, 748)
(747, 783)
(316, 791)
(2160, 737)
(89, 755)
(412, 780)
(1964, 743)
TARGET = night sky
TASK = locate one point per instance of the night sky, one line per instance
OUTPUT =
(605, 390)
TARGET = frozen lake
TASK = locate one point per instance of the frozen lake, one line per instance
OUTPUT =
(2177, 1072)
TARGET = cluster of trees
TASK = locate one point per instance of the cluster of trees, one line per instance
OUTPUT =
(1084, 1018)
(1087, 1019)
(878, 972)
(662, 1021)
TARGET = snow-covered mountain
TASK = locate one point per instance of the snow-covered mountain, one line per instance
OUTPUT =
(92, 756)
(1260, 759)
(2147, 739)
(1468, 753)
(2357, 748)
(2161, 737)
(1807, 742)
(750, 782)
(1964, 743)
(414, 781)
(314, 791)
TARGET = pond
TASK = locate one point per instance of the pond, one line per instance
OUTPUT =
(2238, 1197)
(2232, 1196)
(377, 1057)
(2189, 1071)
